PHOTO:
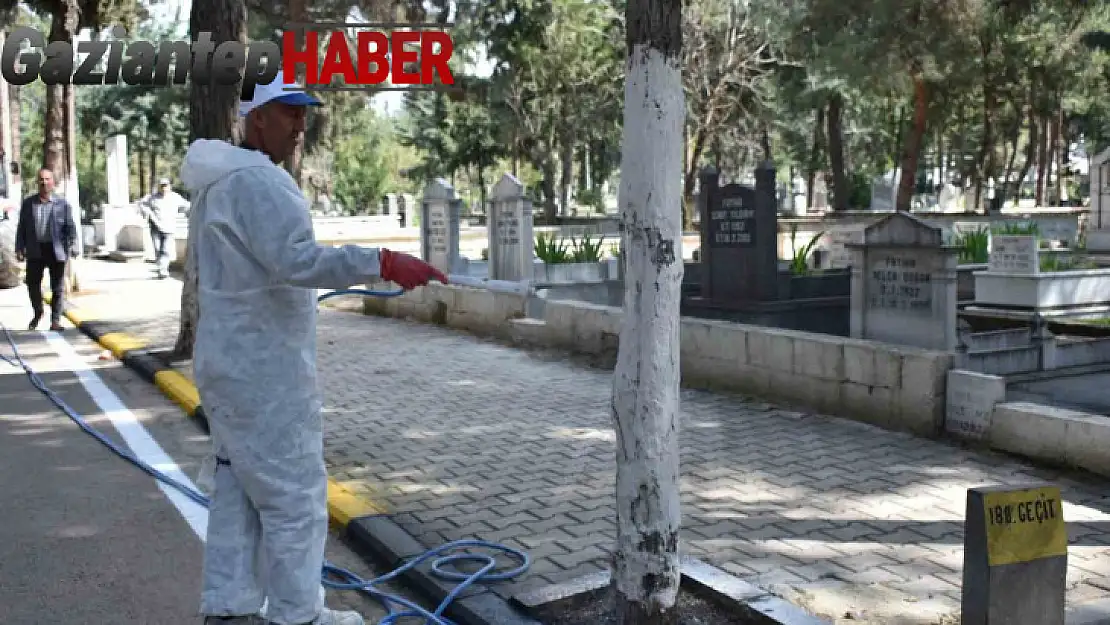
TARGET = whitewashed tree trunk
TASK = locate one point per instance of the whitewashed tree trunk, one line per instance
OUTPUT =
(645, 401)
(190, 305)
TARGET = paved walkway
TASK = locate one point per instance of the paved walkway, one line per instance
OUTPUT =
(465, 437)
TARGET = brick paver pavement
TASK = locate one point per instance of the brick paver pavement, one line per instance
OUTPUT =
(465, 437)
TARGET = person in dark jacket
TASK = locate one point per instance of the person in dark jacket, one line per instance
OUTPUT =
(46, 237)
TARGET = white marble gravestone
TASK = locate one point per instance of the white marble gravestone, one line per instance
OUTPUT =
(904, 284)
(1014, 254)
(117, 213)
(510, 231)
(439, 226)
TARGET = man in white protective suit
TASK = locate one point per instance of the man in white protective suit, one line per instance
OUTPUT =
(258, 265)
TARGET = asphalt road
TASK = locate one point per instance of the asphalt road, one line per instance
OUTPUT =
(86, 538)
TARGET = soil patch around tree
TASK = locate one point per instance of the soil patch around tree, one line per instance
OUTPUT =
(599, 608)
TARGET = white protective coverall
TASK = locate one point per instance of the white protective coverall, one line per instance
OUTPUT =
(254, 361)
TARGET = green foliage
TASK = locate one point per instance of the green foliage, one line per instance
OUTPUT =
(1059, 262)
(973, 245)
(551, 250)
(367, 161)
(585, 249)
(1030, 228)
(799, 264)
(592, 197)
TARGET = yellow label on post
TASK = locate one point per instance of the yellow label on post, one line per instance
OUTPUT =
(1024, 525)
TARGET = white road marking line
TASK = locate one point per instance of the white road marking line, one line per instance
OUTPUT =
(136, 436)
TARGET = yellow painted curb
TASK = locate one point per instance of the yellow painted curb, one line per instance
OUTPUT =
(76, 318)
(178, 388)
(120, 343)
(344, 505)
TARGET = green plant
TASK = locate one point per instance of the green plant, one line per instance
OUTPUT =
(586, 250)
(1056, 262)
(615, 250)
(1017, 229)
(799, 265)
(973, 245)
(592, 198)
(551, 250)
(485, 253)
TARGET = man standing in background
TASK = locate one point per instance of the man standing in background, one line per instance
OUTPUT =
(160, 210)
(44, 236)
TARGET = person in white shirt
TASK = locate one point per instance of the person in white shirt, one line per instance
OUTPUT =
(160, 210)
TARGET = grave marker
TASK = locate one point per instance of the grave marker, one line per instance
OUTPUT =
(904, 284)
(439, 226)
(1015, 556)
(510, 232)
(1014, 254)
(739, 238)
(970, 398)
(839, 238)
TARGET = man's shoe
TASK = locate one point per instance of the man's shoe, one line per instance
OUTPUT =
(56, 327)
(34, 322)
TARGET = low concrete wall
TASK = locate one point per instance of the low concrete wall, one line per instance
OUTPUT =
(1055, 435)
(898, 388)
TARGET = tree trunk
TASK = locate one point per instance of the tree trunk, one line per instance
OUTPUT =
(63, 27)
(1051, 194)
(815, 155)
(153, 169)
(1030, 152)
(15, 110)
(913, 144)
(547, 185)
(1042, 160)
(297, 13)
(140, 159)
(985, 162)
(1061, 149)
(6, 154)
(1015, 139)
(213, 114)
(691, 168)
(836, 153)
(566, 174)
(645, 400)
(73, 191)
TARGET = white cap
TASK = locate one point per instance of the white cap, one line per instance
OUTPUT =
(277, 89)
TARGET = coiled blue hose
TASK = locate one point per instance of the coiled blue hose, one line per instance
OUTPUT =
(333, 576)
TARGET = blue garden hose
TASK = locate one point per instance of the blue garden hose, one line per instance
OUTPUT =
(360, 292)
(333, 576)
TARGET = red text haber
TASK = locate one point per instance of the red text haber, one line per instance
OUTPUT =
(370, 64)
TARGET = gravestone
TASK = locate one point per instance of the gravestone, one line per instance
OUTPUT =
(510, 231)
(389, 204)
(116, 212)
(904, 284)
(739, 238)
(439, 226)
(1014, 254)
(970, 398)
(884, 192)
(1015, 556)
(838, 253)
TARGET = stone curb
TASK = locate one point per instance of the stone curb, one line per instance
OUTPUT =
(344, 505)
(378, 538)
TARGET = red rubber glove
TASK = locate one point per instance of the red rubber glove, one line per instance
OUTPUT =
(407, 271)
